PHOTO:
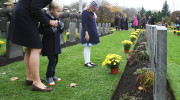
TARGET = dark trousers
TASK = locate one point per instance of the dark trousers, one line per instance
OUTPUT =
(135, 27)
(53, 60)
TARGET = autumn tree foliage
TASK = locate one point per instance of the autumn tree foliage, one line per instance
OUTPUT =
(107, 13)
(174, 15)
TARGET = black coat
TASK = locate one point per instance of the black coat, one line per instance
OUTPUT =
(89, 24)
(23, 28)
(153, 20)
(50, 40)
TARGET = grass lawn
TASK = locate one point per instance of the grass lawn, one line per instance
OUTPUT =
(173, 64)
(92, 83)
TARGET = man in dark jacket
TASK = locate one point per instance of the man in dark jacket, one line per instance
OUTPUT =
(5, 15)
(139, 20)
(65, 19)
(73, 16)
(122, 23)
(126, 23)
(144, 23)
(78, 20)
(117, 20)
(153, 20)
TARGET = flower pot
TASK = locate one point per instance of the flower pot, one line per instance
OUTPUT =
(114, 70)
(174, 33)
(126, 51)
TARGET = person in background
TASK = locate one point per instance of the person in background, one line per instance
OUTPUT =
(89, 35)
(139, 20)
(65, 19)
(122, 23)
(149, 20)
(28, 14)
(117, 18)
(5, 15)
(78, 21)
(126, 23)
(135, 23)
(51, 41)
(144, 22)
(177, 23)
(153, 20)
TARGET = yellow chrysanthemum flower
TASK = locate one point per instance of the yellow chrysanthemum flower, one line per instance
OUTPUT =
(67, 33)
(1, 42)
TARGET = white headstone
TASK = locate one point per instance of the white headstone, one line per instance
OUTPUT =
(72, 30)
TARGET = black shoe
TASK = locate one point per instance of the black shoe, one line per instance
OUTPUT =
(93, 64)
(35, 88)
(29, 82)
(88, 65)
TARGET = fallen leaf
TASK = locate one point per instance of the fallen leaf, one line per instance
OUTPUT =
(140, 88)
(72, 84)
(14, 78)
(4, 73)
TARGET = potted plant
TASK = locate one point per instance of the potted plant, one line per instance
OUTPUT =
(1, 42)
(138, 30)
(127, 45)
(67, 36)
(134, 33)
(133, 38)
(178, 33)
(112, 61)
(174, 31)
(112, 29)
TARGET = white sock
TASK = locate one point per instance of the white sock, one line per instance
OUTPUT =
(87, 51)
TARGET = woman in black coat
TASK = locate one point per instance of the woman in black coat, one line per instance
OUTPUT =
(23, 31)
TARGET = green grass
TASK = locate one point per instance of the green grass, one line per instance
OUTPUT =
(92, 83)
(173, 63)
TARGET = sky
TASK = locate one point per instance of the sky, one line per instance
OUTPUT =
(147, 4)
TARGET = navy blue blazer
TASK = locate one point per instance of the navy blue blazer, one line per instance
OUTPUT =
(23, 28)
(89, 24)
(51, 39)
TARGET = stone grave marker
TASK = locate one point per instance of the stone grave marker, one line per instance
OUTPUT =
(72, 30)
(13, 50)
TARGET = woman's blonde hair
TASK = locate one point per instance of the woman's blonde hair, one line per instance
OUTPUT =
(55, 4)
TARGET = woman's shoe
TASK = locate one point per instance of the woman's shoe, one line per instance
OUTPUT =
(35, 88)
(88, 65)
(29, 82)
(93, 64)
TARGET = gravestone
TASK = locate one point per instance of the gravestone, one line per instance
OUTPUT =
(72, 30)
(148, 32)
(103, 29)
(152, 47)
(160, 48)
(109, 29)
(99, 29)
(13, 50)
(62, 36)
(106, 28)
